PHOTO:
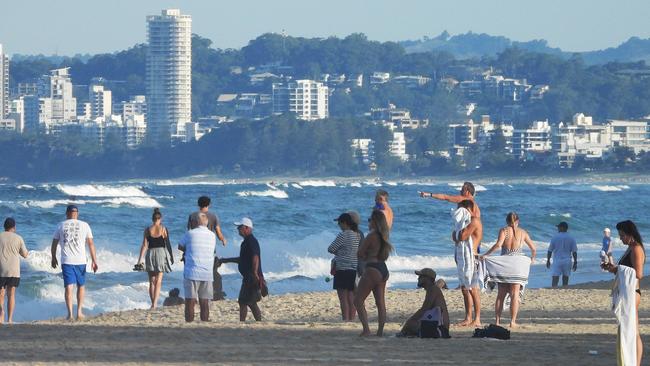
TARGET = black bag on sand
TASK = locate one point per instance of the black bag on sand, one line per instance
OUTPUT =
(492, 331)
(431, 329)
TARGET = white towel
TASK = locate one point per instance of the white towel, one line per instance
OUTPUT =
(504, 269)
(463, 251)
(624, 307)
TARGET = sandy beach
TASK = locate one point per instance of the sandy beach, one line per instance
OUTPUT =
(558, 327)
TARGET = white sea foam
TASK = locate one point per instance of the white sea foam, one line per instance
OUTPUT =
(372, 183)
(390, 183)
(318, 183)
(139, 202)
(608, 188)
(26, 187)
(275, 193)
(296, 186)
(91, 190)
(566, 215)
(355, 185)
(169, 182)
(459, 185)
(40, 260)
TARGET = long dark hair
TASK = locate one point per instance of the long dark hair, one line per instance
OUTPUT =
(629, 228)
(381, 227)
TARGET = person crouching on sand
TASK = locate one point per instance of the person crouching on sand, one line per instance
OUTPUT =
(432, 299)
(345, 248)
(374, 250)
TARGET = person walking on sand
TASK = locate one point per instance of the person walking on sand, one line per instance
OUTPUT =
(213, 225)
(12, 247)
(249, 264)
(563, 246)
(345, 248)
(471, 292)
(158, 258)
(74, 235)
(511, 239)
(198, 245)
(374, 250)
(381, 204)
(632, 261)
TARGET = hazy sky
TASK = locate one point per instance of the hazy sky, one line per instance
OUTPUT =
(68, 27)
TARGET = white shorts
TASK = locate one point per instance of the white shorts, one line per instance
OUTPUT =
(198, 289)
(561, 268)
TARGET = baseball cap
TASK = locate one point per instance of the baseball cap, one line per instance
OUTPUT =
(427, 272)
(344, 217)
(245, 221)
(356, 218)
(71, 208)
(607, 230)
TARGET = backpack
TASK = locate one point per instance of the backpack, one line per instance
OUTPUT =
(431, 325)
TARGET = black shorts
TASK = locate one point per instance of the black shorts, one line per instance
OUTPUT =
(250, 292)
(9, 282)
(345, 279)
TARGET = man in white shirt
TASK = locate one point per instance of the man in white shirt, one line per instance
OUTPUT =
(562, 247)
(73, 235)
(199, 245)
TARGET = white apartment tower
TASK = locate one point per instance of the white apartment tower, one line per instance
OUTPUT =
(169, 75)
(100, 101)
(307, 99)
(4, 84)
(58, 87)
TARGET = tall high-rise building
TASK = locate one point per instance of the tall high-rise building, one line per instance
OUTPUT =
(4, 84)
(168, 76)
(58, 87)
(101, 104)
(307, 99)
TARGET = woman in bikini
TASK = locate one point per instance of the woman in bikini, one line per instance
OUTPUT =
(374, 250)
(634, 257)
(511, 240)
(157, 259)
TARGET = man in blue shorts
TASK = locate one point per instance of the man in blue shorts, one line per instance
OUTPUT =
(562, 248)
(73, 235)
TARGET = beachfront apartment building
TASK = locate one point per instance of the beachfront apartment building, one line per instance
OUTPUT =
(379, 77)
(168, 76)
(363, 150)
(537, 139)
(396, 118)
(101, 101)
(464, 135)
(397, 146)
(307, 99)
(4, 84)
(630, 134)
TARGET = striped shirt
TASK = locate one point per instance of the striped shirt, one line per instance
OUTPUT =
(199, 245)
(345, 248)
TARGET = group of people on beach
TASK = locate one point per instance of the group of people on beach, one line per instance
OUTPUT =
(359, 264)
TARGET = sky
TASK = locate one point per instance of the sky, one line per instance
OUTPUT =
(68, 27)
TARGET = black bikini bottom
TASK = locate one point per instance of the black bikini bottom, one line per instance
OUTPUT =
(381, 267)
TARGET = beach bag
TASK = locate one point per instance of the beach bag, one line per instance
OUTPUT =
(431, 325)
(492, 331)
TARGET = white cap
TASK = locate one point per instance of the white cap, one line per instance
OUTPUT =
(607, 230)
(245, 221)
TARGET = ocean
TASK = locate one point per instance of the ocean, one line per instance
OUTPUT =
(294, 224)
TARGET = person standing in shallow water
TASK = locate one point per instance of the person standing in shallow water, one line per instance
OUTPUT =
(158, 258)
(374, 250)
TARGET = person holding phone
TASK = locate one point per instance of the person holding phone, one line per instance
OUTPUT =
(73, 235)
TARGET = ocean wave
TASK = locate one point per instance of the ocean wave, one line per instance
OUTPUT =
(390, 183)
(296, 186)
(275, 193)
(566, 215)
(459, 185)
(25, 187)
(590, 188)
(108, 261)
(169, 182)
(137, 202)
(90, 190)
(372, 183)
(355, 185)
(318, 183)
(607, 188)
